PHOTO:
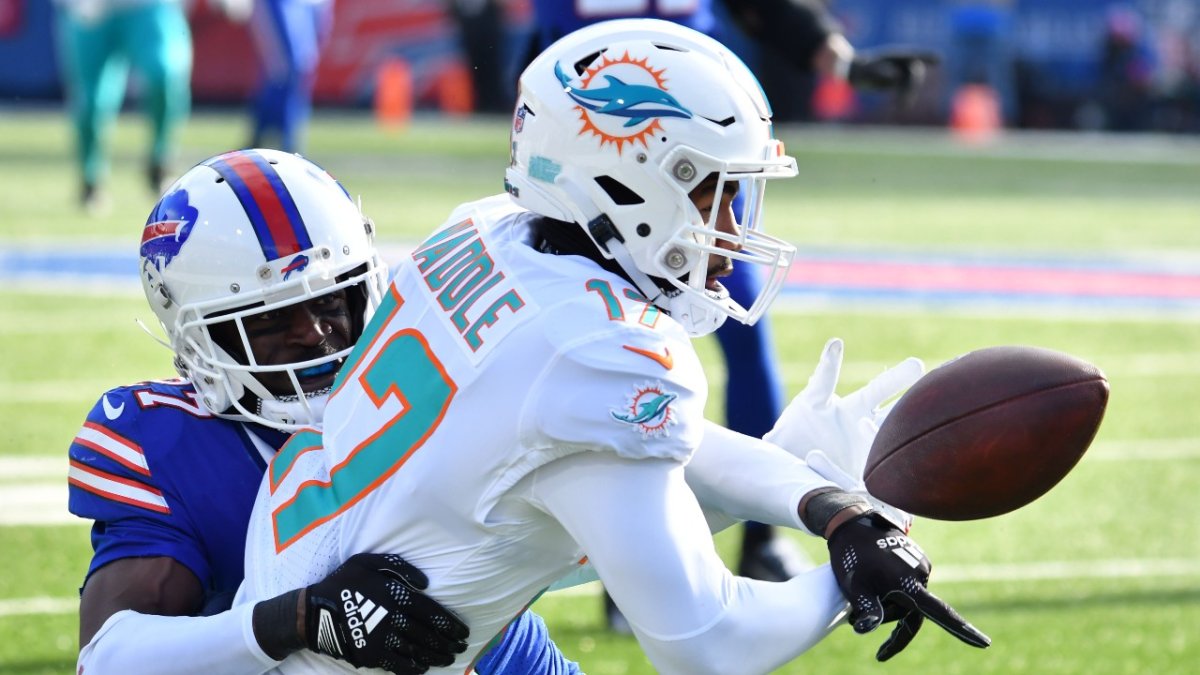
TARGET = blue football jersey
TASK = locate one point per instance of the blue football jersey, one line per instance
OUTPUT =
(161, 476)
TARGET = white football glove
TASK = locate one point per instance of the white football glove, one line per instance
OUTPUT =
(833, 434)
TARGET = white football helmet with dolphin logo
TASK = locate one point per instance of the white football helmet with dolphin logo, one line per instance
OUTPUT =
(244, 233)
(616, 123)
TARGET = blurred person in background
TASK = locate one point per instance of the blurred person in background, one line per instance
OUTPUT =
(99, 41)
(981, 52)
(1127, 66)
(484, 44)
(289, 36)
(806, 36)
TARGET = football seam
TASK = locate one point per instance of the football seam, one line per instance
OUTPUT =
(974, 411)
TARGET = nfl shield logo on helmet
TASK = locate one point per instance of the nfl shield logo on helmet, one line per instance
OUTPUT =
(519, 119)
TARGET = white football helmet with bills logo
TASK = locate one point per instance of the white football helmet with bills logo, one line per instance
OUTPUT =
(245, 233)
(616, 123)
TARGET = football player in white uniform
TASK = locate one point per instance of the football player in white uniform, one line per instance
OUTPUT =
(527, 395)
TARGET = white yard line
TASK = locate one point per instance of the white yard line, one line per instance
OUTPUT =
(36, 504)
(39, 605)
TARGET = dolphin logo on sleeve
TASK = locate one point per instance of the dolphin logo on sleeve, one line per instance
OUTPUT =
(648, 410)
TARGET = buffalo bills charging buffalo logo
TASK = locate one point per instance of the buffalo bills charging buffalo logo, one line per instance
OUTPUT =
(168, 228)
(296, 265)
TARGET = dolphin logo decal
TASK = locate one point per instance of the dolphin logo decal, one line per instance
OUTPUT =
(647, 410)
(636, 102)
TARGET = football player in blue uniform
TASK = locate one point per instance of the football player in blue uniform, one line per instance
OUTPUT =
(804, 34)
(262, 271)
(288, 38)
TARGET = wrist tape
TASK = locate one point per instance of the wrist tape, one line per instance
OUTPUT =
(823, 506)
(275, 625)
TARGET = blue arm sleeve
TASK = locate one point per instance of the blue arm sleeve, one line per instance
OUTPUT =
(526, 649)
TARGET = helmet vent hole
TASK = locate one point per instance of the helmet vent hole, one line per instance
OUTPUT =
(582, 64)
(722, 123)
(272, 161)
(669, 48)
(643, 230)
(618, 191)
(220, 179)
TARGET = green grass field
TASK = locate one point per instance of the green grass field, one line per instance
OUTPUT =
(1100, 576)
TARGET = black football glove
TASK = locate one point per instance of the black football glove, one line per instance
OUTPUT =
(369, 612)
(898, 69)
(883, 575)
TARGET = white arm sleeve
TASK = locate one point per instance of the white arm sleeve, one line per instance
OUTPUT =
(146, 644)
(749, 478)
(643, 530)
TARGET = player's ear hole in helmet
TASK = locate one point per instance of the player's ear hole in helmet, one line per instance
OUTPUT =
(560, 238)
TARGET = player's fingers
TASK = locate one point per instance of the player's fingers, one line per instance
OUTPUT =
(401, 663)
(425, 640)
(824, 379)
(396, 567)
(888, 383)
(411, 655)
(424, 616)
(868, 614)
(904, 632)
(951, 621)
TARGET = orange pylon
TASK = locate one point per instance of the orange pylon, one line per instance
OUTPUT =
(393, 93)
(833, 99)
(975, 113)
(455, 90)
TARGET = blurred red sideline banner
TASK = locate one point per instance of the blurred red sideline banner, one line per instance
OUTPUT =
(10, 17)
(366, 34)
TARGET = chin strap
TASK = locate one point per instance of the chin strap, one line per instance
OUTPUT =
(602, 231)
(649, 288)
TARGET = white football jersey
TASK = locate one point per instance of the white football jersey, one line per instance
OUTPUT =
(487, 360)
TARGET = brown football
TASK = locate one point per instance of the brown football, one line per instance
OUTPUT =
(986, 433)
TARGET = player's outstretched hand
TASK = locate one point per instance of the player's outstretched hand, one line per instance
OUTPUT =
(883, 575)
(372, 613)
(898, 69)
(842, 427)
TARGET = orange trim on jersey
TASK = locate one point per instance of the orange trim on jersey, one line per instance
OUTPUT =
(664, 359)
(112, 495)
(393, 291)
(291, 462)
(280, 546)
(134, 447)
